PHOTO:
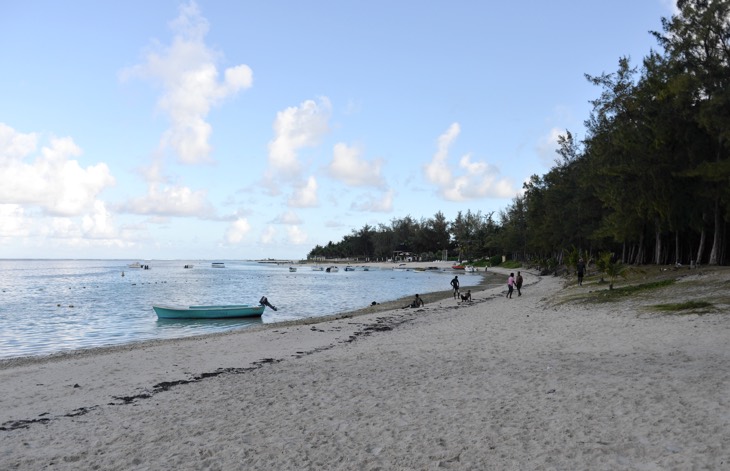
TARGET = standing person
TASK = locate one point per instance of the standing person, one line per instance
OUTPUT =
(518, 284)
(455, 285)
(581, 270)
(510, 285)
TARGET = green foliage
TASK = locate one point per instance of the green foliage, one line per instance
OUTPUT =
(649, 180)
(512, 264)
(495, 260)
(572, 257)
(703, 306)
(551, 264)
(626, 291)
(612, 268)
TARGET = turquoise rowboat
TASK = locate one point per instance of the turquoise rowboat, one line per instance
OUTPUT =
(227, 311)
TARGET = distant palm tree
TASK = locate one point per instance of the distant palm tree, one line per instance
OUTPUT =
(611, 268)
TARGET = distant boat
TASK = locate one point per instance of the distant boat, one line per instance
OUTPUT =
(349, 268)
(135, 265)
(332, 269)
(292, 269)
(458, 267)
(218, 265)
(402, 266)
(317, 268)
(213, 312)
(190, 265)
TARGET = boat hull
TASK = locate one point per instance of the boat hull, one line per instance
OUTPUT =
(209, 312)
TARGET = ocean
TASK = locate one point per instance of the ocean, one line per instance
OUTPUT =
(51, 306)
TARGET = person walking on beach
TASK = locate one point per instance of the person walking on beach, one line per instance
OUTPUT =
(581, 270)
(518, 283)
(455, 285)
(510, 285)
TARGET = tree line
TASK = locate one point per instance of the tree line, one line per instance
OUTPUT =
(649, 183)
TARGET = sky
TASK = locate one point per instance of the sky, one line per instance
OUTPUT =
(247, 130)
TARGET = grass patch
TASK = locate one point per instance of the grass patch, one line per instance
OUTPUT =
(704, 306)
(626, 291)
(511, 264)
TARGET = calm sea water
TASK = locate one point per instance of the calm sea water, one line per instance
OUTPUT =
(50, 306)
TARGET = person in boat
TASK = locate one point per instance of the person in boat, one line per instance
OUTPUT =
(417, 302)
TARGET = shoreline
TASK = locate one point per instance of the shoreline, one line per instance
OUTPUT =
(531, 382)
(101, 362)
(380, 307)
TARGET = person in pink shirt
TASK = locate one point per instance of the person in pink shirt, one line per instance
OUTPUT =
(510, 285)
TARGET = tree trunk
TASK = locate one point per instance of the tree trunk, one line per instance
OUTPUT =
(701, 248)
(640, 251)
(657, 245)
(676, 249)
(632, 249)
(716, 237)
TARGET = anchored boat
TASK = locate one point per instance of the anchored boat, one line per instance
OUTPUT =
(227, 311)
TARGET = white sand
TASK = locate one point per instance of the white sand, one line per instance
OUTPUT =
(497, 384)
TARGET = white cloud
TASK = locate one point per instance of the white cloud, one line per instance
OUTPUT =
(438, 172)
(547, 146)
(171, 201)
(64, 228)
(671, 6)
(335, 224)
(14, 145)
(296, 235)
(237, 231)
(350, 168)
(305, 196)
(268, 236)
(295, 128)
(475, 180)
(13, 222)
(99, 224)
(188, 73)
(53, 180)
(381, 204)
(289, 217)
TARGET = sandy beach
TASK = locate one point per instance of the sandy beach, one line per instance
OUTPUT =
(534, 382)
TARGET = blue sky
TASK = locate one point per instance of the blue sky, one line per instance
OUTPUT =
(246, 130)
